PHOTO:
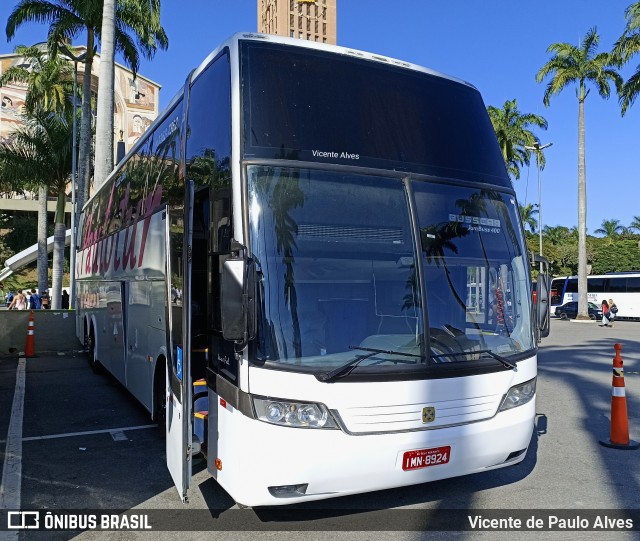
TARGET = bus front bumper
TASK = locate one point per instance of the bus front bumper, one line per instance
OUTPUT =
(273, 465)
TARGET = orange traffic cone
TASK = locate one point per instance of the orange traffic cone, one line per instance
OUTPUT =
(619, 419)
(29, 349)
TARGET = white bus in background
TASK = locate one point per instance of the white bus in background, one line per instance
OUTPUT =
(622, 287)
(327, 241)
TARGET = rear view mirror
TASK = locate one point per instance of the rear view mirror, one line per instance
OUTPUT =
(237, 296)
(543, 312)
(542, 305)
(231, 294)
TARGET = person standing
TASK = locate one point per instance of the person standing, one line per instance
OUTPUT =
(64, 302)
(34, 301)
(605, 313)
(44, 299)
(613, 311)
(19, 302)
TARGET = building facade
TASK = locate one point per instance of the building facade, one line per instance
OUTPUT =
(313, 20)
(136, 105)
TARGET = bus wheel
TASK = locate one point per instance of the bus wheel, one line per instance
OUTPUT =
(94, 363)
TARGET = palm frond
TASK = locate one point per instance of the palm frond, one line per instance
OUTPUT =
(630, 91)
(590, 43)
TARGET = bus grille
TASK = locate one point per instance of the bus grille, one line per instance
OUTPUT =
(408, 417)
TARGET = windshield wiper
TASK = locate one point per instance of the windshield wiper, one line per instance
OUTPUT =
(488, 352)
(346, 368)
(387, 351)
(500, 358)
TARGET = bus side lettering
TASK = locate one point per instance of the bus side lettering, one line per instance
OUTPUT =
(128, 248)
(105, 261)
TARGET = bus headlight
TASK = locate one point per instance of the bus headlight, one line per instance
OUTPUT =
(519, 395)
(293, 414)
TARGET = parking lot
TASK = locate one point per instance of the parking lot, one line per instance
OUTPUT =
(85, 444)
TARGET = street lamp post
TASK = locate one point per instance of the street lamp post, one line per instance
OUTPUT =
(538, 148)
(72, 259)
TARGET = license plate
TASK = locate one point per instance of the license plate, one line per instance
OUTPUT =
(422, 458)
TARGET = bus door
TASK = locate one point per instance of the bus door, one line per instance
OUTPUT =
(136, 321)
(116, 328)
(178, 373)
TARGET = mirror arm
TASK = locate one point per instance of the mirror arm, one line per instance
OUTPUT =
(535, 258)
(238, 250)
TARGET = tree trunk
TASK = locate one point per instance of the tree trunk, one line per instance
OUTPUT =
(583, 306)
(43, 257)
(58, 253)
(104, 119)
(85, 150)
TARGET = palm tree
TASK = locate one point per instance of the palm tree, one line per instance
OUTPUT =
(142, 17)
(635, 223)
(627, 46)
(610, 229)
(40, 154)
(570, 64)
(69, 18)
(557, 234)
(48, 85)
(527, 213)
(104, 133)
(48, 79)
(512, 130)
(626, 232)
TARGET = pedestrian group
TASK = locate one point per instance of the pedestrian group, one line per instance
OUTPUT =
(609, 311)
(32, 300)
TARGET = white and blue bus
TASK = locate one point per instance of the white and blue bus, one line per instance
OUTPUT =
(325, 243)
(622, 287)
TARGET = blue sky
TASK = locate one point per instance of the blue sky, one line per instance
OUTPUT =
(497, 45)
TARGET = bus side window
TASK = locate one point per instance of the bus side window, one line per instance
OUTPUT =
(208, 157)
(221, 232)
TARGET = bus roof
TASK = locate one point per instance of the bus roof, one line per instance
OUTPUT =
(306, 44)
(232, 43)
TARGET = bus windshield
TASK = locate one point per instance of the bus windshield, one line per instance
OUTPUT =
(339, 279)
(474, 270)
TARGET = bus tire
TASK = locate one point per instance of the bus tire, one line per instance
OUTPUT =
(94, 363)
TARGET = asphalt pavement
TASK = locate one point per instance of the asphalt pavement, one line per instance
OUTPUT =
(87, 446)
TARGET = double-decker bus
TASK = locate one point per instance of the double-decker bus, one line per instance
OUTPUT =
(328, 242)
(622, 287)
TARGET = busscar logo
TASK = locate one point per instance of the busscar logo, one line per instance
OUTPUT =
(474, 220)
(428, 414)
(23, 520)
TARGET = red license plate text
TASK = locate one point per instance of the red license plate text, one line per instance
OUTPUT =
(422, 458)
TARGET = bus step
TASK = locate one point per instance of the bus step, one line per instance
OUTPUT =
(200, 422)
(200, 395)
